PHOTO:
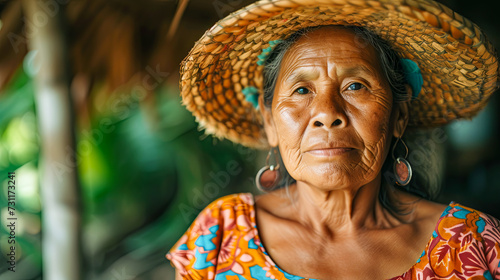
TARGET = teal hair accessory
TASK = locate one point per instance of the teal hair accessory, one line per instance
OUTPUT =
(252, 96)
(267, 51)
(413, 76)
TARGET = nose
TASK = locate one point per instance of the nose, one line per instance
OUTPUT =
(328, 111)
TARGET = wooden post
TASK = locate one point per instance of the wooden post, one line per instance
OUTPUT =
(60, 192)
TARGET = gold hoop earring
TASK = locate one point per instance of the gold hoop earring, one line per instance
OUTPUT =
(269, 176)
(401, 167)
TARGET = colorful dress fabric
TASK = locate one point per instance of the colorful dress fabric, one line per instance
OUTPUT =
(223, 243)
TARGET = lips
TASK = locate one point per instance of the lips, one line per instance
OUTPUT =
(328, 152)
(330, 149)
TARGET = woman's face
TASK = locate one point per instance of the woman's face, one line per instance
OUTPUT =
(332, 114)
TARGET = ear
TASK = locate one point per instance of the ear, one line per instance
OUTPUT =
(402, 115)
(269, 126)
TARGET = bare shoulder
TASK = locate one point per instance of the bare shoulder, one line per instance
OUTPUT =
(427, 211)
(422, 211)
(430, 210)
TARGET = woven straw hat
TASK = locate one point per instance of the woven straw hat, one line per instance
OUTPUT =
(458, 64)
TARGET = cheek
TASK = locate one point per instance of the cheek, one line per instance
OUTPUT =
(379, 126)
(291, 122)
(373, 118)
(374, 129)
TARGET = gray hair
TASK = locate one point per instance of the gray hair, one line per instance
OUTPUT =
(424, 184)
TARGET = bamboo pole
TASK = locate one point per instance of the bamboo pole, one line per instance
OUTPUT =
(60, 192)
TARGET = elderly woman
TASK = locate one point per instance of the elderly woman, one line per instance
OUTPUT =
(331, 86)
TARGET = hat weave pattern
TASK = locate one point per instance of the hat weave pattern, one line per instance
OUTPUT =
(459, 66)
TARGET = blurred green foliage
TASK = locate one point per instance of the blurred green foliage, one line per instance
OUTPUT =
(143, 181)
(19, 150)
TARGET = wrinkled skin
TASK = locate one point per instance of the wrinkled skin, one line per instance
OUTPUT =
(337, 134)
(332, 118)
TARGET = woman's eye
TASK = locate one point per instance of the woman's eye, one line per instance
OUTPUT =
(302, 90)
(355, 86)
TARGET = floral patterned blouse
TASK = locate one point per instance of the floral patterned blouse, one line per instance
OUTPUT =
(224, 243)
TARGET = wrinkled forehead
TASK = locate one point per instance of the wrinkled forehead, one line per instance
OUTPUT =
(341, 40)
(337, 48)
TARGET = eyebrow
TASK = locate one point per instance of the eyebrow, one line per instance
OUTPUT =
(357, 70)
(301, 76)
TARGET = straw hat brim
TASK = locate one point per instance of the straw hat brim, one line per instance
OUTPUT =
(458, 64)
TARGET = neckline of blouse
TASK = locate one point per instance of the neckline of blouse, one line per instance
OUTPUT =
(295, 277)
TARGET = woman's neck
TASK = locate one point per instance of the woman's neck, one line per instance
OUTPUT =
(340, 212)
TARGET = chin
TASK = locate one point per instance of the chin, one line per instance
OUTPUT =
(337, 178)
